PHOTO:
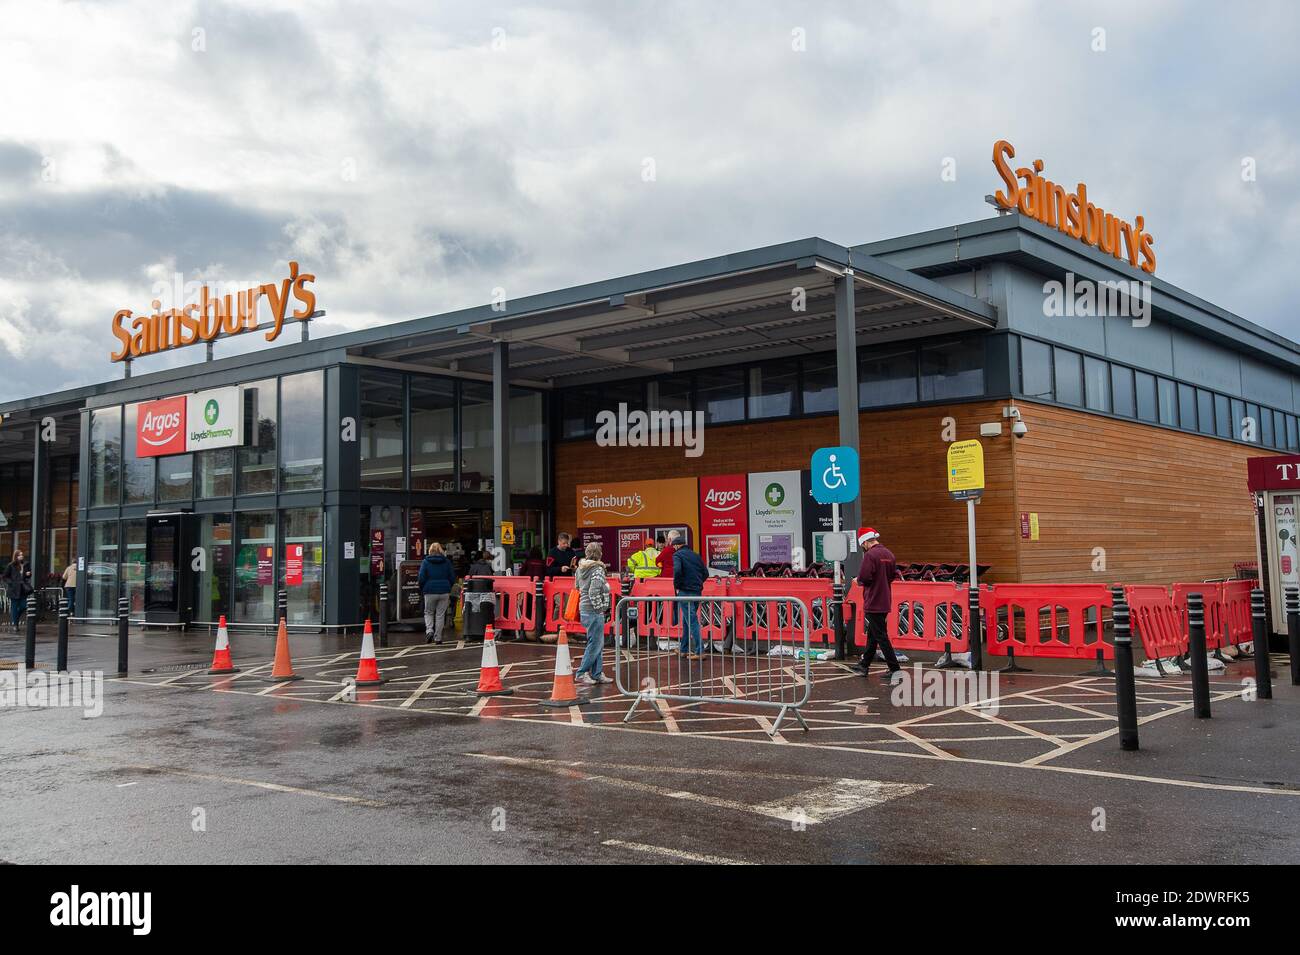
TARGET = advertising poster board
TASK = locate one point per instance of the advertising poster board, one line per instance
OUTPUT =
(265, 565)
(293, 565)
(724, 522)
(673, 502)
(410, 605)
(775, 515)
(630, 540)
(377, 553)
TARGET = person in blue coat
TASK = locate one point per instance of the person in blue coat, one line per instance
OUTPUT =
(437, 575)
(689, 574)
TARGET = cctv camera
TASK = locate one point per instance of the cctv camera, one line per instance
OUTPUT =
(1020, 429)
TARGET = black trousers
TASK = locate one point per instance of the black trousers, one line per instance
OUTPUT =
(878, 636)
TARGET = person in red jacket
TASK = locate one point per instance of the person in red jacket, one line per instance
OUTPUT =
(878, 572)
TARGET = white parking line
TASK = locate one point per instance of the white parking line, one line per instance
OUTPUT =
(673, 853)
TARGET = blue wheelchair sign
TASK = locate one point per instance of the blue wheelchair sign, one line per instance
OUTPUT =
(834, 475)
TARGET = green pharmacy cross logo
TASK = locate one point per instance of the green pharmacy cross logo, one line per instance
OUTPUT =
(775, 494)
(211, 411)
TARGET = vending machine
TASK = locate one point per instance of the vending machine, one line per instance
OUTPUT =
(1275, 485)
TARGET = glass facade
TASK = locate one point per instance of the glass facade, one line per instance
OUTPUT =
(1053, 373)
(254, 567)
(256, 459)
(381, 427)
(105, 470)
(433, 434)
(302, 431)
(302, 569)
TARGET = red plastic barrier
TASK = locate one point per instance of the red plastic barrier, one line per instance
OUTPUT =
(1216, 624)
(517, 604)
(1236, 611)
(1155, 617)
(556, 592)
(1047, 620)
(754, 621)
(925, 616)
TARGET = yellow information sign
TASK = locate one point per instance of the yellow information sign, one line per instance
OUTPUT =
(965, 469)
(507, 532)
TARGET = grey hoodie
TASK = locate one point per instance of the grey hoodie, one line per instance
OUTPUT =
(589, 578)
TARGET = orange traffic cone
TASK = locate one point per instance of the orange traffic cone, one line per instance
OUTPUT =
(283, 669)
(368, 666)
(489, 674)
(563, 692)
(221, 655)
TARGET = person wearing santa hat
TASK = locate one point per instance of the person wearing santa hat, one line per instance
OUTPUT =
(879, 569)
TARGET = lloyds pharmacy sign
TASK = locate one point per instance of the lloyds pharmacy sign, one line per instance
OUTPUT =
(197, 422)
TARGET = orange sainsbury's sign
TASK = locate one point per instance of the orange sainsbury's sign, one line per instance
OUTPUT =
(1036, 196)
(213, 316)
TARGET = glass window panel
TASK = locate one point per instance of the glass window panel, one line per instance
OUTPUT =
(1205, 411)
(255, 567)
(303, 527)
(1266, 427)
(100, 578)
(1238, 412)
(1292, 439)
(772, 387)
(1222, 417)
(1250, 430)
(134, 565)
(1068, 366)
(669, 394)
(1144, 388)
(381, 426)
(1035, 369)
(216, 472)
(527, 442)
(887, 377)
(721, 393)
(302, 431)
(820, 390)
(1187, 407)
(211, 596)
(137, 471)
(433, 434)
(1121, 380)
(105, 456)
(257, 457)
(476, 436)
(1279, 429)
(1096, 384)
(176, 478)
(1168, 397)
(952, 370)
(578, 407)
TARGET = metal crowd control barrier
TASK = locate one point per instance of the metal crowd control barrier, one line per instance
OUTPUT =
(774, 681)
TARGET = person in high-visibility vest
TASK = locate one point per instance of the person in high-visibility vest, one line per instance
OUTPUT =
(643, 564)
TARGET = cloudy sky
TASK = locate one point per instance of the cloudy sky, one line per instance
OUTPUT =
(416, 155)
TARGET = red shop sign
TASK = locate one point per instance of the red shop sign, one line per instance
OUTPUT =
(160, 427)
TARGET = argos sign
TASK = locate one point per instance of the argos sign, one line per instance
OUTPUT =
(197, 422)
(724, 523)
(160, 428)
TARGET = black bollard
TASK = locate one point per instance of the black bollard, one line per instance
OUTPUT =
(62, 654)
(1197, 650)
(1125, 691)
(383, 613)
(1263, 681)
(1293, 631)
(539, 608)
(281, 605)
(31, 630)
(123, 631)
(975, 631)
(837, 617)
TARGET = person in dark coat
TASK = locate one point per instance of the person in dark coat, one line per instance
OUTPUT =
(437, 577)
(689, 574)
(18, 586)
(563, 559)
(878, 572)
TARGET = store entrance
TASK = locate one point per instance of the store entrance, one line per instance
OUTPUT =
(166, 580)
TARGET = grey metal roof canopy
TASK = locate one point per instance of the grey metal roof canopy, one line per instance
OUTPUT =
(709, 316)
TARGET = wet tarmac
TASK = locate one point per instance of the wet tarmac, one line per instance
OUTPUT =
(187, 767)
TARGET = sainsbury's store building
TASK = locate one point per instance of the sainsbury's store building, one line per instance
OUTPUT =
(321, 466)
